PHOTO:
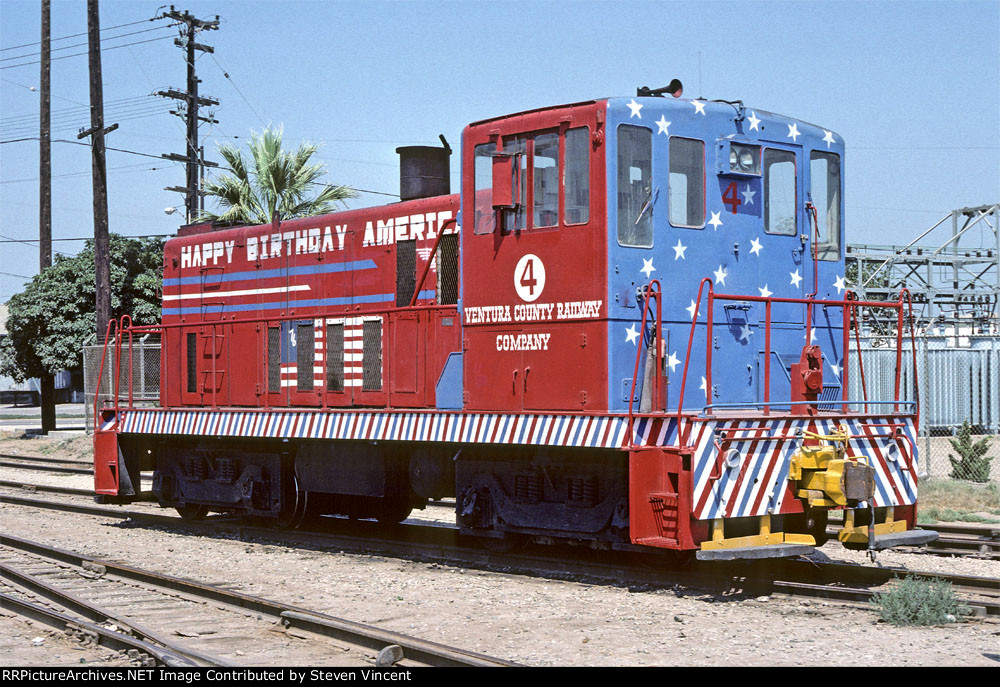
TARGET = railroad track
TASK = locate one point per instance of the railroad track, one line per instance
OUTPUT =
(976, 541)
(46, 464)
(164, 620)
(832, 581)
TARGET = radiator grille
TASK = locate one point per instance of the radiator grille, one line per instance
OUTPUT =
(335, 357)
(406, 271)
(192, 363)
(273, 360)
(447, 270)
(372, 356)
(305, 357)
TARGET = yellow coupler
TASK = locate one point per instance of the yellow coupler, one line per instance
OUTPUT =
(826, 478)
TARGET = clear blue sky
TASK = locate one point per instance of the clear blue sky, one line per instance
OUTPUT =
(913, 87)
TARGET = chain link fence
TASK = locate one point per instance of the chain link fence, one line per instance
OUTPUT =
(145, 375)
(959, 397)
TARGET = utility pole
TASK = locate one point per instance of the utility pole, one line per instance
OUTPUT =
(47, 386)
(193, 161)
(97, 132)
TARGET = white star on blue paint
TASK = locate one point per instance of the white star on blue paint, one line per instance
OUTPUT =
(754, 121)
(765, 292)
(631, 334)
(755, 246)
(840, 284)
(748, 196)
(673, 361)
(679, 251)
(699, 107)
(635, 107)
(720, 275)
(746, 333)
(662, 123)
(793, 132)
(647, 267)
(704, 384)
(691, 308)
(828, 137)
(836, 369)
(796, 278)
(715, 221)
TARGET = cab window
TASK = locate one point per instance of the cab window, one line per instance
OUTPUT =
(686, 187)
(779, 192)
(635, 186)
(576, 204)
(545, 184)
(552, 179)
(824, 188)
(485, 217)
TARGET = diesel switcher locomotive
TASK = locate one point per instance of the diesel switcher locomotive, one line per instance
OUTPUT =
(630, 330)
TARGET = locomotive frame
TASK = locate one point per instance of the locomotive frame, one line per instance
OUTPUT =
(528, 366)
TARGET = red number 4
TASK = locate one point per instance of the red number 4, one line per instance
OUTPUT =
(729, 197)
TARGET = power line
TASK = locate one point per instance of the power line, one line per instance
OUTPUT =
(225, 73)
(77, 54)
(76, 111)
(90, 238)
(78, 45)
(77, 35)
(132, 168)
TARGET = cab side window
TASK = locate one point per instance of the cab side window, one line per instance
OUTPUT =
(824, 188)
(635, 186)
(551, 175)
(686, 188)
(576, 204)
(779, 192)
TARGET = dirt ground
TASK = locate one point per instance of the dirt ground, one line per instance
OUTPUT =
(525, 619)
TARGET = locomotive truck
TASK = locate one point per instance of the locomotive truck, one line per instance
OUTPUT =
(630, 330)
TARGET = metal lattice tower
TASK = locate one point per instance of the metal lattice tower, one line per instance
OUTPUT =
(955, 285)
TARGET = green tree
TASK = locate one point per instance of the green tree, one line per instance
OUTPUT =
(272, 180)
(52, 320)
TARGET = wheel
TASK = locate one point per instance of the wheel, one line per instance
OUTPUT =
(508, 543)
(392, 512)
(295, 507)
(192, 511)
(817, 526)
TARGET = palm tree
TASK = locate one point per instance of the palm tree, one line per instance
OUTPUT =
(274, 180)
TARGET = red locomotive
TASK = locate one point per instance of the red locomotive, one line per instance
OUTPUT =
(553, 347)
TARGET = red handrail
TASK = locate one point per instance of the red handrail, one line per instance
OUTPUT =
(848, 305)
(682, 438)
(100, 374)
(430, 258)
(648, 294)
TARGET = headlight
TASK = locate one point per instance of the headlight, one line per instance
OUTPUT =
(744, 159)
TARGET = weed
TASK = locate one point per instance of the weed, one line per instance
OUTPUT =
(914, 601)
